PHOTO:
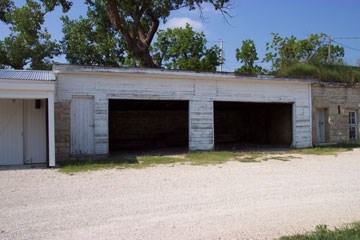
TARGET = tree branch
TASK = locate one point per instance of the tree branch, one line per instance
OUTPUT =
(117, 19)
(154, 27)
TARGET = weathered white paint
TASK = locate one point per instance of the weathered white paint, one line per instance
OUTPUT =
(22, 132)
(11, 132)
(51, 129)
(201, 125)
(82, 125)
(201, 89)
(23, 90)
(35, 132)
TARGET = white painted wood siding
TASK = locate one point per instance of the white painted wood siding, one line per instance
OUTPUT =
(35, 132)
(24, 90)
(11, 132)
(82, 125)
(201, 127)
(200, 91)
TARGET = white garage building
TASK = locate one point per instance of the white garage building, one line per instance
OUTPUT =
(100, 111)
(27, 117)
(104, 110)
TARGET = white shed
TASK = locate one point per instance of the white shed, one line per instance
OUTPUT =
(102, 110)
(27, 117)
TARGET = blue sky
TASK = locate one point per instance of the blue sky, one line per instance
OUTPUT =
(256, 19)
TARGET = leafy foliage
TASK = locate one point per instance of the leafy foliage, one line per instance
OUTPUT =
(28, 44)
(138, 21)
(247, 55)
(283, 52)
(183, 48)
(5, 7)
(92, 41)
(291, 57)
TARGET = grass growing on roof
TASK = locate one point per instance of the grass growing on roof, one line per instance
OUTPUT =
(322, 232)
(323, 72)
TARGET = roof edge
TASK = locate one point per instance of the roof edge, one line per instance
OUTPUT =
(68, 68)
(27, 75)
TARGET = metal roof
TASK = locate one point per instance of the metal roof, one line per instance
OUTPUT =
(34, 75)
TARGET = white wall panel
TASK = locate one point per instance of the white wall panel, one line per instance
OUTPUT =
(82, 125)
(35, 132)
(11, 132)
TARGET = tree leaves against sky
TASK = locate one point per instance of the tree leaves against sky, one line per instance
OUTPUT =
(28, 45)
(183, 48)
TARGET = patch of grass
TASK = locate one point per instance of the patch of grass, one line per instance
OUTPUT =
(328, 150)
(319, 151)
(210, 157)
(279, 158)
(195, 158)
(321, 232)
(73, 166)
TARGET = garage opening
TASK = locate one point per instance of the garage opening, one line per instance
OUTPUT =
(137, 125)
(241, 124)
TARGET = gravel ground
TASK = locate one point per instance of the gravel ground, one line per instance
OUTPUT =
(229, 201)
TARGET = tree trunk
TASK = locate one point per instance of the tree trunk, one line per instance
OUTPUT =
(140, 51)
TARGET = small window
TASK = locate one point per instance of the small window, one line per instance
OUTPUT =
(353, 126)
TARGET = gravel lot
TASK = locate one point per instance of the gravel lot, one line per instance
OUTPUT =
(229, 201)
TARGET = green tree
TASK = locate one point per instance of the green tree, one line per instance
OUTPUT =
(28, 43)
(138, 21)
(6, 7)
(183, 48)
(92, 40)
(283, 52)
(247, 55)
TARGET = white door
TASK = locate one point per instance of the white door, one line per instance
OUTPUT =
(11, 132)
(35, 131)
(320, 121)
(82, 125)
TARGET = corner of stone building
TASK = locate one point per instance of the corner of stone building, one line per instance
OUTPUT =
(62, 130)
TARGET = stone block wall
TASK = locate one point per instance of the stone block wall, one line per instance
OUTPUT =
(62, 130)
(337, 100)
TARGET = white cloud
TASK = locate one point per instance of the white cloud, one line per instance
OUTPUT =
(177, 22)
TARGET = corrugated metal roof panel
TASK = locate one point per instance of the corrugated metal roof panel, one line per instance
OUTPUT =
(34, 75)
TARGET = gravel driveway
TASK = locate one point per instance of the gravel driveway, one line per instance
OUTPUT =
(229, 201)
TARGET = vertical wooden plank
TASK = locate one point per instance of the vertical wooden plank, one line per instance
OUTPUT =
(35, 132)
(101, 122)
(201, 127)
(82, 125)
(11, 132)
(51, 129)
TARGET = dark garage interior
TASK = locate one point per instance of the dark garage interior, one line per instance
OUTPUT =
(137, 125)
(239, 124)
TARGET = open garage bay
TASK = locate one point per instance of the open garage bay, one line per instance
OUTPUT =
(148, 124)
(239, 124)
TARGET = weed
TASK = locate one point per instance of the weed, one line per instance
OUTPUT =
(322, 232)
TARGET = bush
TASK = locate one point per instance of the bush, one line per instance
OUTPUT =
(298, 70)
